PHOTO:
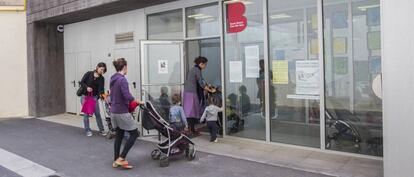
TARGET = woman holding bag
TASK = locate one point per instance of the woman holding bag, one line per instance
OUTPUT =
(94, 82)
(121, 118)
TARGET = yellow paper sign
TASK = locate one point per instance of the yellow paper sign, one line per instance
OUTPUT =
(339, 45)
(314, 47)
(280, 72)
(314, 21)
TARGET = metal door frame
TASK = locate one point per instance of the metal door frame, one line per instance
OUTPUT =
(142, 63)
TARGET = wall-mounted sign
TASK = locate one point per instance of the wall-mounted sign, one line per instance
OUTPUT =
(12, 5)
(236, 21)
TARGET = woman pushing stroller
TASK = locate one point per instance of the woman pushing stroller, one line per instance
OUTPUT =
(122, 120)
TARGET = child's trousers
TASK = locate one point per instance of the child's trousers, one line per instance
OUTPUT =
(213, 128)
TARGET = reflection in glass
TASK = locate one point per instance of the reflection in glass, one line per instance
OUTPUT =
(203, 20)
(294, 72)
(244, 83)
(353, 76)
(166, 25)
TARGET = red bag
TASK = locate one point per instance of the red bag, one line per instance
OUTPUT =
(88, 106)
(132, 106)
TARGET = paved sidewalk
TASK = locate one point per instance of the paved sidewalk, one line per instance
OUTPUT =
(276, 155)
(4, 172)
(66, 150)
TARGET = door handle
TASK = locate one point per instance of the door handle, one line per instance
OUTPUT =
(134, 84)
(74, 83)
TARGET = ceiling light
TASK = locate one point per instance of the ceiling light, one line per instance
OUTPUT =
(195, 15)
(280, 16)
(203, 17)
(364, 8)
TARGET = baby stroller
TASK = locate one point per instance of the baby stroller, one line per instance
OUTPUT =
(106, 103)
(107, 107)
(176, 142)
(344, 131)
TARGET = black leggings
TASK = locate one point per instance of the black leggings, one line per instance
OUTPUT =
(191, 123)
(133, 135)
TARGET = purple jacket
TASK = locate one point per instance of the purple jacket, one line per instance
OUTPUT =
(120, 95)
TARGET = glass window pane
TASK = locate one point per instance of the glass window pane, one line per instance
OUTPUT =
(353, 76)
(168, 25)
(203, 21)
(294, 72)
(245, 114)
(209, 48)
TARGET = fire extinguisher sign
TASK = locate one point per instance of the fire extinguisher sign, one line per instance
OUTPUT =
(236, 21)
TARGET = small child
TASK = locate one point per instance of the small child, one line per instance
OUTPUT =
(178, 121)
(210, 115)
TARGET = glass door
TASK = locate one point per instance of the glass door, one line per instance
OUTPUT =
(162, 74)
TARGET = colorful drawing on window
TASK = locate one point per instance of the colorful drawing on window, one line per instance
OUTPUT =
(280, 55)
(373, 16)
(340, 20)
(314, 21)
(375, 64)
(374, 40)
(339, 45)
(341, 65)
(314, 47)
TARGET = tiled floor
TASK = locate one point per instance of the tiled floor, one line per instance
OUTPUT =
(278, 155)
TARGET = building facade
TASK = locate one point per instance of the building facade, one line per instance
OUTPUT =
(307, 73)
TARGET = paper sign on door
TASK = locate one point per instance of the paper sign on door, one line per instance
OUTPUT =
(162, 66)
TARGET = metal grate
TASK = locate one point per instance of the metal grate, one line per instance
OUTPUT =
(124, 37)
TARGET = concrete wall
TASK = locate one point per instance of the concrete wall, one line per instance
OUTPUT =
(45, 70)
(398, 87)
(13, 67)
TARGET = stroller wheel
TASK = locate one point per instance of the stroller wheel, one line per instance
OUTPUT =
(155, 154)
(190, 153)
(328, 145)
(164, 161)
(187, 151)
(110, 135)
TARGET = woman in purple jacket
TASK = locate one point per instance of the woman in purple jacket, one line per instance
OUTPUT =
(121, 119)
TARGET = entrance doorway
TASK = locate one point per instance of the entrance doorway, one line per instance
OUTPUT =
(209, 48)
(162, 74)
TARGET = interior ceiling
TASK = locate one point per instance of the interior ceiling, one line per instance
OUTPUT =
(103, 10)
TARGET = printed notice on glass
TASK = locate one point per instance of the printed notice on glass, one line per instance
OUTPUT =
(307, 77)
(162, 66)
(280, 72)
(235, 70)
(252, 61)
